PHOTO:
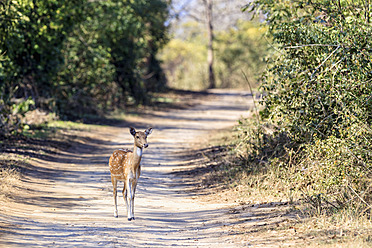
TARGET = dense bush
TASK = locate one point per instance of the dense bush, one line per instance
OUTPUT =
(318, 92)
(110, 56)
(31, 39)
(80, 57)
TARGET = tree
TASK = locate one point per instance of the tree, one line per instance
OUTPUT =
(240, 48)
(209, 10)
(225, 13)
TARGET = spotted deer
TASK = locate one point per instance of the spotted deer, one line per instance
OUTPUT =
(125, 166)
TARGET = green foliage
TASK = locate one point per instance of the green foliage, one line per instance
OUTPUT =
(33, 39)
(318, 90)
(80, 57)
(238, 49)
(32, 35)
(110, 56)
(337, 169)
(133, 45)
(321, 82)
(184, 59)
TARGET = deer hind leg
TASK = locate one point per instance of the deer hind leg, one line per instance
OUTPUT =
(115, 184)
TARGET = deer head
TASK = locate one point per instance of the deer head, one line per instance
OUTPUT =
(140, 138)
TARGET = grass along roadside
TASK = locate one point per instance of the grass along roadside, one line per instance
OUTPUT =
(39, 141)
(233, 169)
(9, 179)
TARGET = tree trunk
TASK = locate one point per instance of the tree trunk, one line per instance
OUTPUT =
(208, 7)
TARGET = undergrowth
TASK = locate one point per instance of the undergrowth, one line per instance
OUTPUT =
(330, 175)
(329, 180)
(312, 138)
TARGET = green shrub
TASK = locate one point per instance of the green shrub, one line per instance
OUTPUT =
(317, 102)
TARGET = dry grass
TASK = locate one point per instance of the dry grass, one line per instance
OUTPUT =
(291, 224)
(9, 179)
(340, 230)
(238, 183)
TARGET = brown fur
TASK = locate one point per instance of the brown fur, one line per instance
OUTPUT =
(125, 166)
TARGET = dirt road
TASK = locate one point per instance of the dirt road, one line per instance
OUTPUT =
(67, 200)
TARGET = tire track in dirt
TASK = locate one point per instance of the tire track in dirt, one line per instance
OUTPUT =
(73, 206)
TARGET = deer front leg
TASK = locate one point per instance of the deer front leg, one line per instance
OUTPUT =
(130, 197)
(115, 184)
(134, 186)
(125, 195)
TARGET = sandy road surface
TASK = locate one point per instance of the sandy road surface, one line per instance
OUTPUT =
(68, 200)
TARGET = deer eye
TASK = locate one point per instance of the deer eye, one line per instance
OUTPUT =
(137, 137)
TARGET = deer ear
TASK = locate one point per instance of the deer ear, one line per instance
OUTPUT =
(132, 131)
(148, 131)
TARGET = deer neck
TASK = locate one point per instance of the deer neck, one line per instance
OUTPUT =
(137, 155)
